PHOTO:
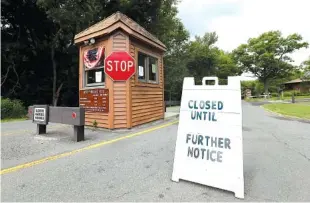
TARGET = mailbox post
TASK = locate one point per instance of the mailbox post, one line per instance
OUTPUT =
(40, 117)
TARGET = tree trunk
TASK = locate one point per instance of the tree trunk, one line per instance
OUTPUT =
(54, 75)
(57, 95)
(266, 86)
(170, 97)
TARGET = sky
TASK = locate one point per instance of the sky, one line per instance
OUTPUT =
(235, 21)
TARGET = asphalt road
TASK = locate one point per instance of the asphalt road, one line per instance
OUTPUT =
(276, 168)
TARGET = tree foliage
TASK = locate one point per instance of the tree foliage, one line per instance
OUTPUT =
(40, 60)
(306, 69)
(306, 64)
(205, 59)
(267, 56)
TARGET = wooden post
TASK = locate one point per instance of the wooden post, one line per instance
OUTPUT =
(293, 98)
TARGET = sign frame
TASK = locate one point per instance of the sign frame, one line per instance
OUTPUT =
(224, 171)
(45, 111)
(92, 99)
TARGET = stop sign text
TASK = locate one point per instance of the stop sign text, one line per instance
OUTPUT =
(119, 65)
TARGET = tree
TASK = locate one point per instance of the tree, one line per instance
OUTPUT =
(203, 56)
(305, 75)
(39, 58)
(175, 70)
(267, 55)
(205, 59)
(306, 64)
(68, 17)
(170, 30)
(23, 44)
(226, 65)
(306, 69)
(255, 86)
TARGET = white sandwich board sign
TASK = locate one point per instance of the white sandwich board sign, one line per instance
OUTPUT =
(209, 148)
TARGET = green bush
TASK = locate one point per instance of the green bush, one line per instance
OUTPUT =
(256, 87)
(274, 94)
(12, 109)
(259, 88)
(273, 88)
(303, 94)
(296, 93)
(287, 93)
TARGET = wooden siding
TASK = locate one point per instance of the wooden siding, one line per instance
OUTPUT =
(147, 99)
(90, 117)
(101, 119)
(132, 53)
(131, 103)
(120, 110)
(120, 42)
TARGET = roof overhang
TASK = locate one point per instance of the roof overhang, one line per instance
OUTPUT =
(118, 25)
(296, 81)
(119, 21)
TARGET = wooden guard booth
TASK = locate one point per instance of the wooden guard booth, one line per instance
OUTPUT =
(120, 104)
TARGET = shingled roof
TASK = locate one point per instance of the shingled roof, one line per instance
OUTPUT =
(117, 19)
(298, 80)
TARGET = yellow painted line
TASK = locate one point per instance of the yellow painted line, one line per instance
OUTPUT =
(50, 158)
(29, 131)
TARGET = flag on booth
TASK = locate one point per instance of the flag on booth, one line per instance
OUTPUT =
(92, 57)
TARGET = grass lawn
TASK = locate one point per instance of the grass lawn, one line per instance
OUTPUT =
(12, 119)
(275, 98)
(300, 110)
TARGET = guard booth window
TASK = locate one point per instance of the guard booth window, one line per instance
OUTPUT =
(142, 66)
(94, 67)
(147, 68)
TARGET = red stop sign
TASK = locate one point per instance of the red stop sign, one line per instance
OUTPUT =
(120, 66)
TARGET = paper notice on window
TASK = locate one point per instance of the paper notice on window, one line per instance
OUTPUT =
(153, 68)
(141, 71)
(98, 76)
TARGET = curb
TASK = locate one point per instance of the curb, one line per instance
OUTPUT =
(172, 117)
(139, 127)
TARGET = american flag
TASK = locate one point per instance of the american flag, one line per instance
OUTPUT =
(92, 57)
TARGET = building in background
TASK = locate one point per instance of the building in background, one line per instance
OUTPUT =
(298, 85)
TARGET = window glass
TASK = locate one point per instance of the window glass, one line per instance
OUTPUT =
(153, 69)
(94, 66)
(141, 66)
(95, 76)
(147, 68)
